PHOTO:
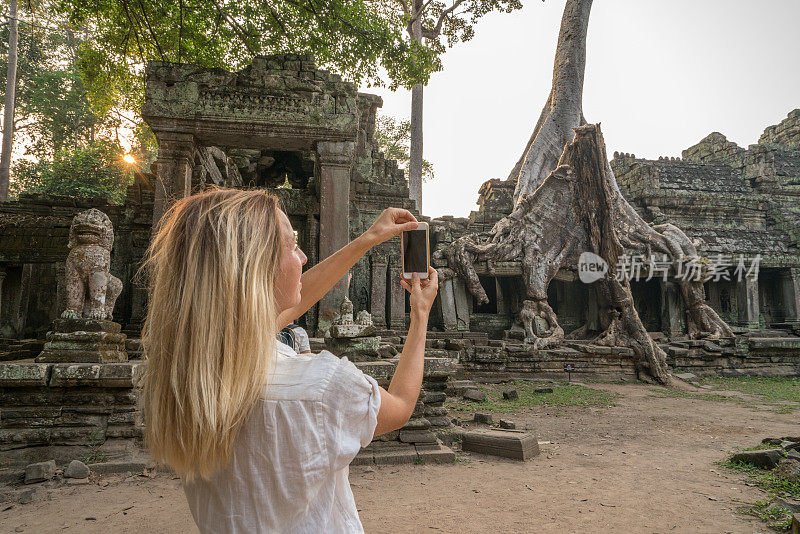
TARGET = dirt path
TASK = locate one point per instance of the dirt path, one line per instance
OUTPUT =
(643, 465)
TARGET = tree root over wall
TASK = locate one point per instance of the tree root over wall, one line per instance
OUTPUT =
(579, 208)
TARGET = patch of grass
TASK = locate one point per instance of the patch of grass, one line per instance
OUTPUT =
(95, 455)
(771, 388)
(777, 487)
(760, 447)
(781, 393)
(665, 393)
(563, 395)
(777, 517)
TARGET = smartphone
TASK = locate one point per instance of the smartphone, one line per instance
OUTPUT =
(415, 251)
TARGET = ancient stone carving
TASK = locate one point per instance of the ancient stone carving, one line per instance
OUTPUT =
(91, 289)
(354, 339)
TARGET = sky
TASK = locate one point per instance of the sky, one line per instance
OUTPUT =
(660, 76)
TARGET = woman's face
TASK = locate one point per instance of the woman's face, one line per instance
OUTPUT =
(287, 285)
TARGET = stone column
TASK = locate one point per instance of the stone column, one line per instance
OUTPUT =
(397, 297)
(448, 302)
(462, 304)
(2, 277)
(377, 298)
(790, 292)
(671, 309)
(173, 171)
(334, 160)
(747, 303)
(311, 251)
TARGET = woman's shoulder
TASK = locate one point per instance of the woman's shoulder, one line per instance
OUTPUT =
(302, 376)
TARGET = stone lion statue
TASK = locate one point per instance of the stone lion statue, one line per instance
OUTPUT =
(91, 289)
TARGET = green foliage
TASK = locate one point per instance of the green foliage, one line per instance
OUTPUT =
(563, 395)
(775, 516)
(349, 36)
(94, 171)
(776, 486)
(52, 109)
(394, 140)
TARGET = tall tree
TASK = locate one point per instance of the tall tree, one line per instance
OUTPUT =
(393, 138)
(8, 110)
(563, 110)
(567, 202)
(431, 20)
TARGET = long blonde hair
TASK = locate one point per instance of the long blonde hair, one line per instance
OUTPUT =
(210, 333)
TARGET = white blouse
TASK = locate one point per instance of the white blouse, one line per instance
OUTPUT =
(290, 461)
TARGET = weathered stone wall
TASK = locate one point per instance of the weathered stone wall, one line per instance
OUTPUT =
(785, 134)
(746, 356)
(65, 411)
(33, 248)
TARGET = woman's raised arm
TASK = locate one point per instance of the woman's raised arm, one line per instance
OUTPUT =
(318, 280)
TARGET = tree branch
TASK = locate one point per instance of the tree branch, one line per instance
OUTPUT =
(437, 30)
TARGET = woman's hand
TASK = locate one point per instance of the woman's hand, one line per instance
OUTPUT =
(423, 291)
(390, 223)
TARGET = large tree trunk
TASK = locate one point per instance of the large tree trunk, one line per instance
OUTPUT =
(8, 116)
(567, 202)
(577, 208)
(563, 111)
(415, 154)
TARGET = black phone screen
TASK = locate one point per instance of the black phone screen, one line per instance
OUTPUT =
(415, 251)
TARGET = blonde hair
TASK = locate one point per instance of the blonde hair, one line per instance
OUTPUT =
(210, 333)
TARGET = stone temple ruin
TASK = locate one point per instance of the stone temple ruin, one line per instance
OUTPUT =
(284, 125)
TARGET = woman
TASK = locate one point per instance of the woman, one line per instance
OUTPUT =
(262, 437)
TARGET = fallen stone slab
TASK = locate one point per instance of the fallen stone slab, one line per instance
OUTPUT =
(508, 425)
(543, 390)
(514, 444)
(475, 395)
(765, 459)
(511, 394)
(40, 471)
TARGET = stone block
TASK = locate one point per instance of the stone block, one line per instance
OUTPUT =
(483, 418)
(76, 469)
(396, 456)
(358, 349)
(475, 395)
(39, 472)
(511, 394)
(24, 374)
(435, 454)
(765, 458)
(514, 444)
(417, 436)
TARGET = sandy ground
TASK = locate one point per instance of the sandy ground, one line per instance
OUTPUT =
(643, 465)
